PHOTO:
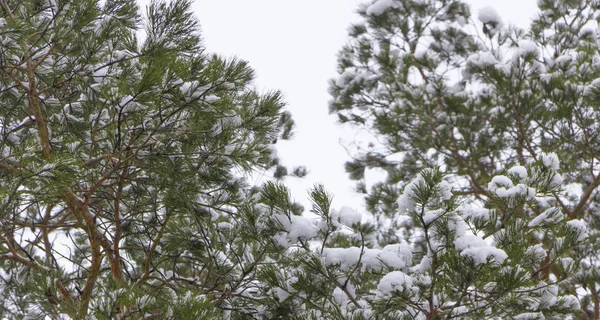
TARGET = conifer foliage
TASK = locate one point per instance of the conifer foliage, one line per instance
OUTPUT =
(125, 153)
(497, 108)
(122, 164)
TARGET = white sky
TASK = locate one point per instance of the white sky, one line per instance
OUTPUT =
(292, 47)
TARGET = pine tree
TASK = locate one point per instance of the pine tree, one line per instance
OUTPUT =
(124, 154)
(460, 262)
(495, 108)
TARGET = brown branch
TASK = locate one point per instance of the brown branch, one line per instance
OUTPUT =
(148, 261)
(97, 241)
(115, 267)
(584, 199)
(43, 58)
(46, 238)
(9, 168)
(106, 176)
(35, 104)
(596, 300)
(15, 256)
(19, 259)
(94, 272)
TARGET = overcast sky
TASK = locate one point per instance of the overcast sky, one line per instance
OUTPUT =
(292, 46)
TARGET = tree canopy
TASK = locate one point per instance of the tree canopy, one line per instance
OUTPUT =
(487, 103)
(126, 150)
(124, 153)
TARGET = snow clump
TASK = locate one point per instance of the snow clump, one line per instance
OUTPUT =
(474, 212)
(347, 216)
(477, 249)
(518, 171)
(526, 48)
(580, 228)
(395, 256)
(551, 161)
(394, 281)
(489, 15)
(491, 20)
(482, 59)
(406, 201)
(549, 216)
(503, 187)
(296, 227)
(380, 6)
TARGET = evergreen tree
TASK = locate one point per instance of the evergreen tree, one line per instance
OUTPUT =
(494, 107)
(500, 239)
(123, 163)
(461, 261)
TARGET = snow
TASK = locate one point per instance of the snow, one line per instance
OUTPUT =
(345, 257)
(40, 53)
(457, 224)
(381, 6)
(339, 296)
(500, 181)
(405, 201)
(100, 74)
(530, 316)
(73, 146)
(564, 60)
(344, 79)
(489, 15)
(338, 293)
(211, 98)
(347, 216)
(282, 294)
(395, 281)
(549, 296)
(571, 301)
(517, 190)
(551, 161)
(396, 256)
(423, 266)
(473, 212)
(557, 179)
(445, 190)
(503, 187)
(536, 252)
(122, 54)
(482, 59)
(431, 215)
(526, 48)
(593, 87)
(13, 138)
(460, 310)
(549, 216)
(567, 262)
(302, 228)
(477, 249)
(52, 102)
(297, 227)
(580, 227)
(186, 86)
(518, 171)
(224, 226)
(125, 101)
